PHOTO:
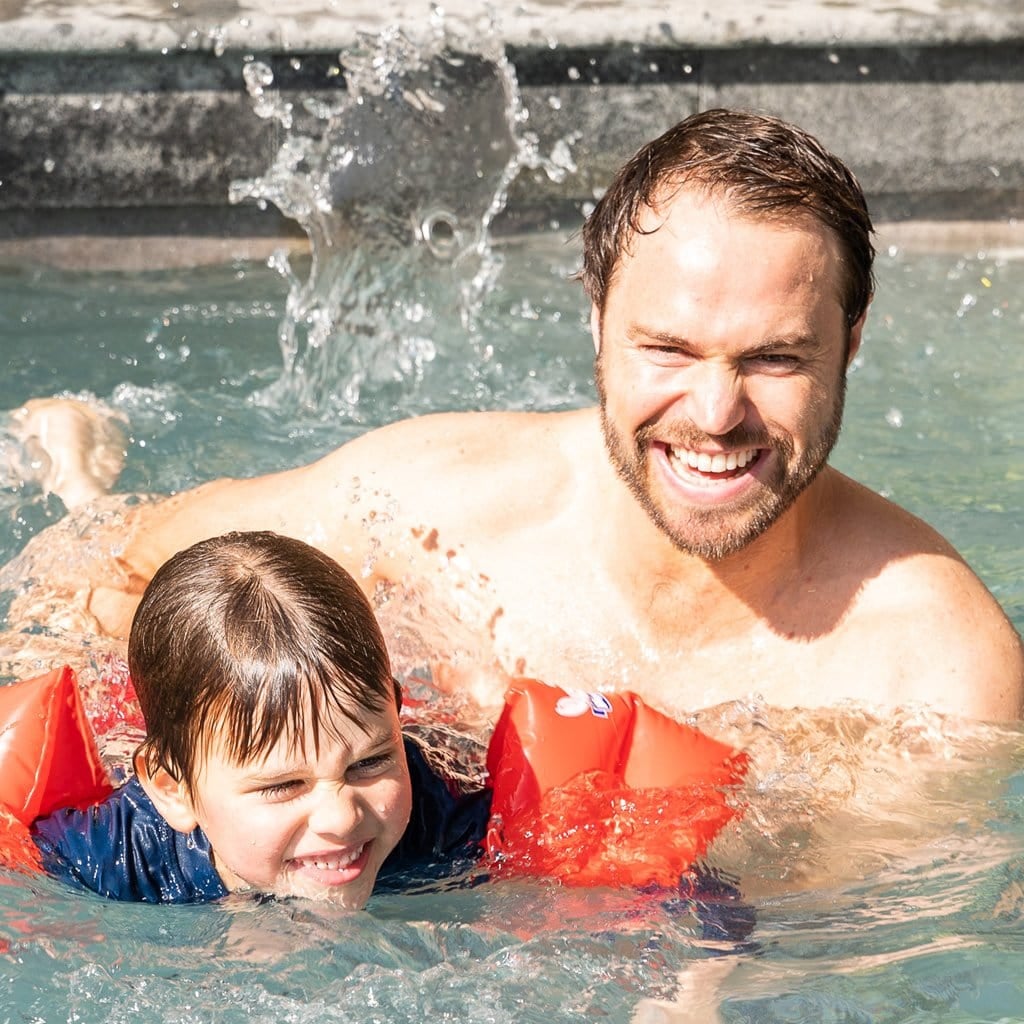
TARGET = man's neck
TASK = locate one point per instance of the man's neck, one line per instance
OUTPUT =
(642, 563)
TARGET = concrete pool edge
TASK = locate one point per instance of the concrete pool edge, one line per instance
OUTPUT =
(127, 117)
(80, 248)
(314, 25)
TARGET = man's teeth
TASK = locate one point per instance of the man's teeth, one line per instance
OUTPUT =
(720, 462)
(336, 862)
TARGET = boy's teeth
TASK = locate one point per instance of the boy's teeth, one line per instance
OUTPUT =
(335, 863)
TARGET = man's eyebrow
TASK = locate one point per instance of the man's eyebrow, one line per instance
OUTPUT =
(800, 340)
(639, 330)
(796, 340)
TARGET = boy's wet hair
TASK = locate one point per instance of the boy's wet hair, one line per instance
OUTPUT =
(761, 166)
(251, 636)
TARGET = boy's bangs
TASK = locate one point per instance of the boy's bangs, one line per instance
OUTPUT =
(291, 701)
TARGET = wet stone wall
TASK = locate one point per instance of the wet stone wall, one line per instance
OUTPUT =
(933, 130)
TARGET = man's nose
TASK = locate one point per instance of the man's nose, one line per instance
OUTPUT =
(716, 398)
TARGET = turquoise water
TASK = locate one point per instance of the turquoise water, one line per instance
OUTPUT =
(931, 415)
(899, 896)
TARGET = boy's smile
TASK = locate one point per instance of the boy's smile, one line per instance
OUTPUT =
(307, 822)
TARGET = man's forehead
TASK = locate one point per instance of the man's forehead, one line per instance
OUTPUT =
(679, 200)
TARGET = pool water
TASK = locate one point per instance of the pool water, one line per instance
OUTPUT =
(898, 896)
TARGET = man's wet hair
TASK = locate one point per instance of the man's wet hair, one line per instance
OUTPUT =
(761, 166)
(249, 637)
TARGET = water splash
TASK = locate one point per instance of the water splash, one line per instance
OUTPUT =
(396, 185)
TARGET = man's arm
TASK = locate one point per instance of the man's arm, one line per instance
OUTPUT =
(977, 655)
(352, 504)
(91, 568)
(923, 628)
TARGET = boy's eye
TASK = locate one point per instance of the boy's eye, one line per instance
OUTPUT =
(281, 790)
(369, 766)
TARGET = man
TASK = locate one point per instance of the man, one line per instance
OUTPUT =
(687, 539)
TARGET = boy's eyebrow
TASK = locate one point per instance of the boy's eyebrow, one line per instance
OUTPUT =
(375, 742)
(275, 776)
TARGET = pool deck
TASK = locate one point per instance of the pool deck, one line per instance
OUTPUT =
(127, 121)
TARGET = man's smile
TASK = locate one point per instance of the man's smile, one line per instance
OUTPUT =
(705, 462)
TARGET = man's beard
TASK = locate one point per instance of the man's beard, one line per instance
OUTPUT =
(715, 533)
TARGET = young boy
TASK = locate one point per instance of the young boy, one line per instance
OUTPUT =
(274, 759)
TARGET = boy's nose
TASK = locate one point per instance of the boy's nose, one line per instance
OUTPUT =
(337, 811)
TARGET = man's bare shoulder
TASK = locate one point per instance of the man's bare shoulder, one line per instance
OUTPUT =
(471, 459)
(923, 611)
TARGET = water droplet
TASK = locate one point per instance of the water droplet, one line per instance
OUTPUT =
(968, 302)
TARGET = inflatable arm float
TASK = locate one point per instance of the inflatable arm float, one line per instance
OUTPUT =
(48, 759)
(588, 788)
(600, 789)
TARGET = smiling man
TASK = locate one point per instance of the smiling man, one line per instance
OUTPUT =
(687, 539)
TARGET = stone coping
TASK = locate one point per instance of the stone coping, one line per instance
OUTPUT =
(81, 246)
(160, 26)
(141, 105)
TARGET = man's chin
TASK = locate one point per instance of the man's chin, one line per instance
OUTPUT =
(706, 536)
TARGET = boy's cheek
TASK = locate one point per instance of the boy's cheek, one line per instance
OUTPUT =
(397, 809)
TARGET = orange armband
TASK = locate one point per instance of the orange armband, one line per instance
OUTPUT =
(600, 789)
(48, 759)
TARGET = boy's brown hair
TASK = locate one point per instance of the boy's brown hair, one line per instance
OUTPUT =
(254, 636)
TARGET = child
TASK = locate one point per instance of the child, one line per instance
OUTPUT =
(274, 758)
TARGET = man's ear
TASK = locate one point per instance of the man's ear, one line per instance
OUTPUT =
(595, 327)
(855, 337)
(169, 796)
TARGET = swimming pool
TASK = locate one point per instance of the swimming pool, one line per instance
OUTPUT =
(930, 928)
(870, 907)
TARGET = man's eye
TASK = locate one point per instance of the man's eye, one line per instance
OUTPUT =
(777, 360)
(665, 350)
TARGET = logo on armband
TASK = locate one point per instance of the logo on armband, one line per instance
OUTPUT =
(579, 702)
